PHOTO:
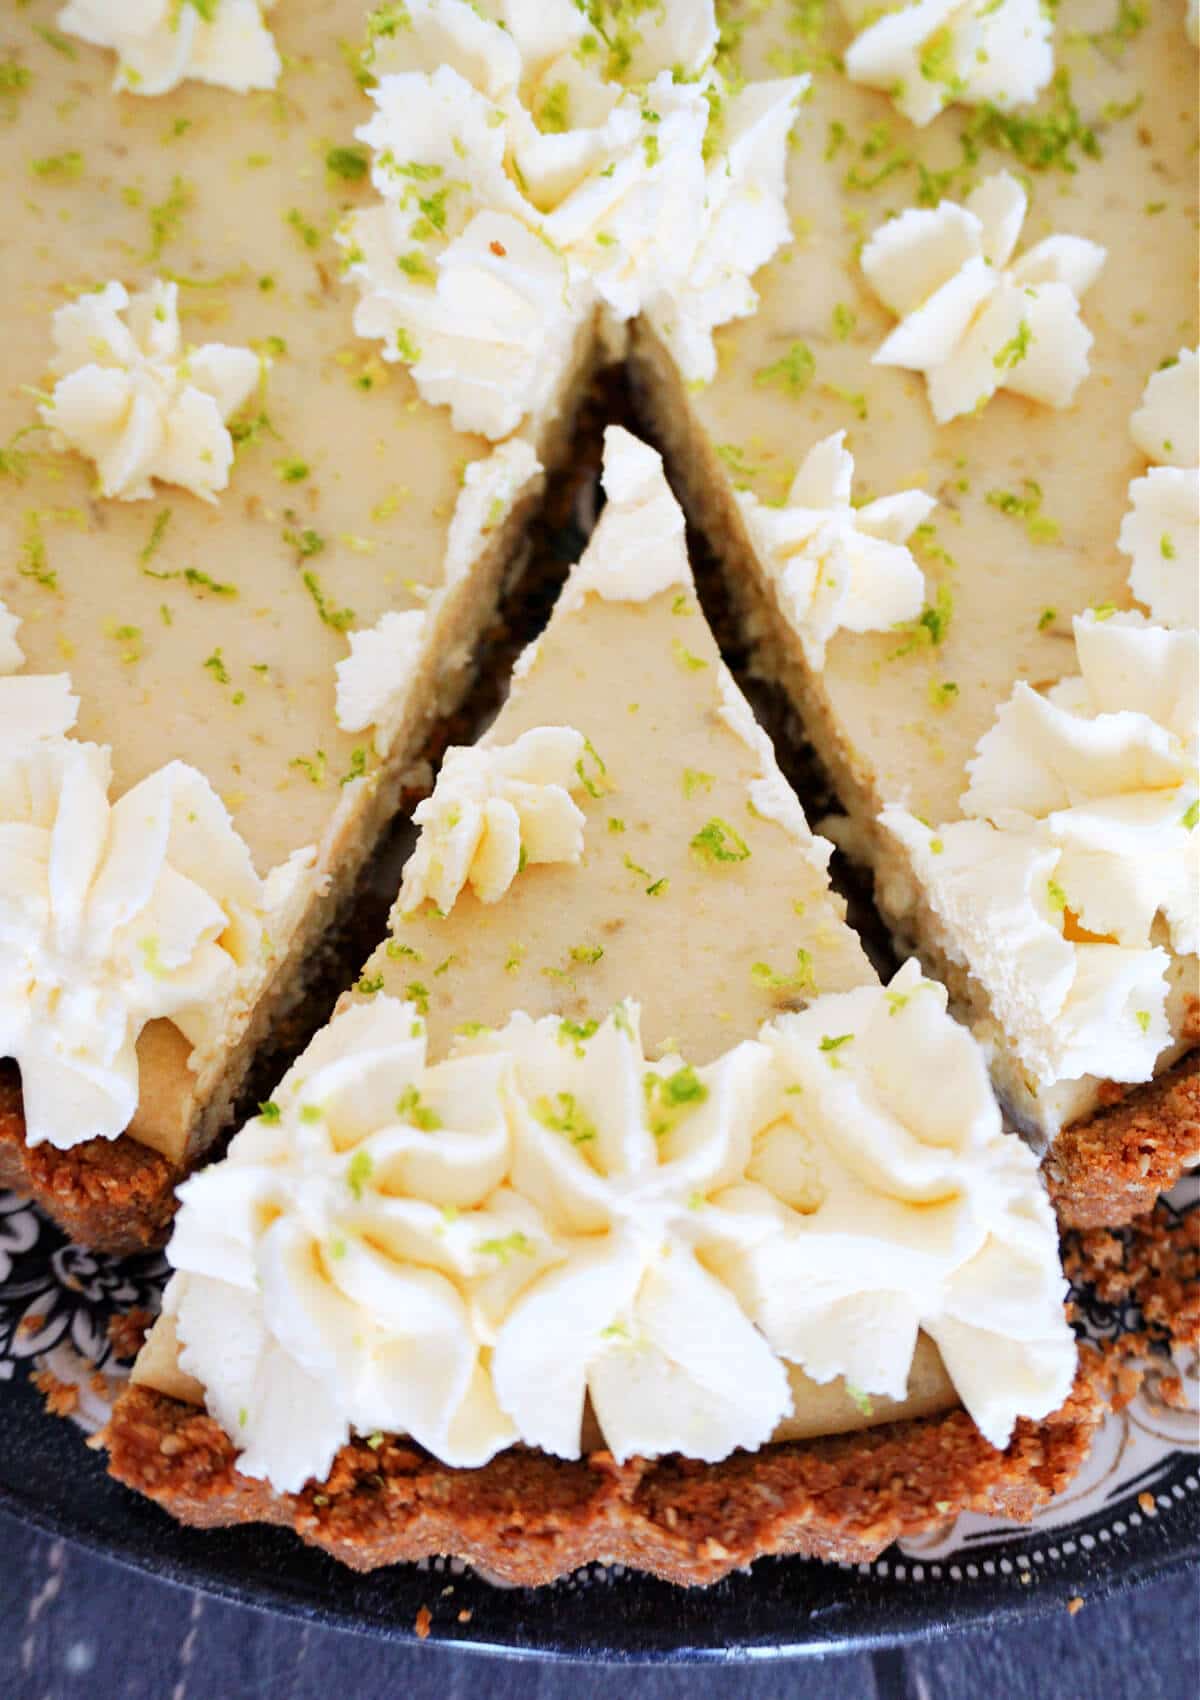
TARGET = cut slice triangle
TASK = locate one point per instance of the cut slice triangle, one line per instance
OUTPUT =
(616, 878)
(701, 890)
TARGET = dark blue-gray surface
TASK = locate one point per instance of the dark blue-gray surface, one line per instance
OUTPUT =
(73, 1625)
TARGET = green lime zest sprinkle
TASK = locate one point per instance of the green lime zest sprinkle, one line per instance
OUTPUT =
(596, 782)
(861, 1399)
(514, 1244)
(692, 663)
(564, 1115)
(792, 373)
(410, 1108)
(348, 163)
(831, 1045)
(717, 841)
(669, 1096)
(1015, 349)
(359, 1170)
(804, 978)
(576, 1033)
(216, 666)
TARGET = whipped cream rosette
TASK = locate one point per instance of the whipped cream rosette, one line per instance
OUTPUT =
(835, 565)
(161, 43)
(531, 168)
(1161, 531)
(972, 319)
(112, 914)
(133, 399)
(1072, 887)
(930, 54)
(494, 810)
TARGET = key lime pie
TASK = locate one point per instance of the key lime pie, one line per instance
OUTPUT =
(619, 1211)
(611, 1217)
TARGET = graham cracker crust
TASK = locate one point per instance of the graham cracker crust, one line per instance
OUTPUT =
(115, 1195)
(1110, 1168)
(529, 1519)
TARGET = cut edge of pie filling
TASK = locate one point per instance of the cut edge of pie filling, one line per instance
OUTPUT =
(519, 1193)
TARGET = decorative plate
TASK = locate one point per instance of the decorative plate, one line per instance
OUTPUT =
(1133, 1512)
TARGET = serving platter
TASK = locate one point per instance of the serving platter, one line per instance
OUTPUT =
(1134, 1512)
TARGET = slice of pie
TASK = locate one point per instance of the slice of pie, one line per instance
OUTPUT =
(619, 1213)
(242, 566)
(947, 325)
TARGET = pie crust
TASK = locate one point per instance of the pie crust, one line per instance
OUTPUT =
(528, 1519)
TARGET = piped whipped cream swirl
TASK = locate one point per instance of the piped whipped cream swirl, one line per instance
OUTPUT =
(973, 320)
(930, 54)
(161, 43)
(836, 566)
(532, 164)
(495, 810)
(1074, 881)
(470, 1251)
(1161, 531)
(132, 399)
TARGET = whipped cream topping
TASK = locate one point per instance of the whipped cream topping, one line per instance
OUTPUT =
(491, 488)
(132, 399)
(930, 54)
(1077, 872)
(638, 547)
(1161, 531)
(374, 681)
(770, 794)
(834, 565)
(161, 43)
(972, 322)
(495, 810)
(530, 172)
(465, 1252)
(33, 706)
(901, 1204)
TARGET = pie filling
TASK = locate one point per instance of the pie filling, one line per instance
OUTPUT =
(618, 1143)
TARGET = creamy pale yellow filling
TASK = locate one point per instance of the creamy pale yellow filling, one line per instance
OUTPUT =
(708, 946)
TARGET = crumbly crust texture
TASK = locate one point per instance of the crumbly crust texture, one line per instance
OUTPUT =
(1110, 1168)
(529, 1519)
(112, 1195)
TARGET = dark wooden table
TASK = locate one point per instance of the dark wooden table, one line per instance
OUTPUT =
(75, 1625)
